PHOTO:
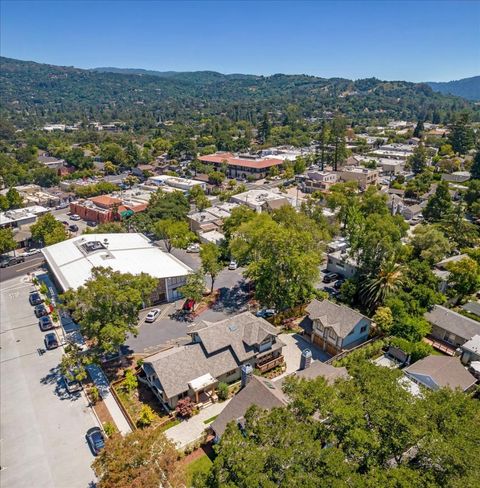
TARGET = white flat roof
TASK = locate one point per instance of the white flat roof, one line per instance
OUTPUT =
(126, 253)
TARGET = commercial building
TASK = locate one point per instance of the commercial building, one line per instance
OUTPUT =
(243, 165)
(261, 200)
(71, 261)
(182, 184)
(105, 208)
(319, 181)
(363, 176)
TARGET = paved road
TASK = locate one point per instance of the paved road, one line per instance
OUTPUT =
(31, 264)
(42, 428)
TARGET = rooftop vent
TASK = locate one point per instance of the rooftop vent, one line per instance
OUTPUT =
(92, 246)
(232, 327)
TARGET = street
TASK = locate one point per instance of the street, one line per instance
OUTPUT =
(42, 428)
(31, 264)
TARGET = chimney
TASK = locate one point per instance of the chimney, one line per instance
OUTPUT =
(305, 359)
(247, 372)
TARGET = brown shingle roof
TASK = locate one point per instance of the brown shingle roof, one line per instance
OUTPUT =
(231, 160)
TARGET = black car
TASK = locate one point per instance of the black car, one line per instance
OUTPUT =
(329, 277)
(95, 440)
(50, 341)
(35, 298)
(338, 284)
(45, 323)
(40, 310)
(12, 261)
(91, 223)
(73, 228)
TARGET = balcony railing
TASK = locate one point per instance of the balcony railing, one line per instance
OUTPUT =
(270, 364)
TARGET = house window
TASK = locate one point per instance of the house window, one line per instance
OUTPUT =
(331, 334)
(231, 372)
(363, 329)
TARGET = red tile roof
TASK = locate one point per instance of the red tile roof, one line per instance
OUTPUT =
(105, 201)
(231, 160)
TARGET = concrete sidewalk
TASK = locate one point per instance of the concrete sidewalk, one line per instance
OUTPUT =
(192, 429)
(101, 382)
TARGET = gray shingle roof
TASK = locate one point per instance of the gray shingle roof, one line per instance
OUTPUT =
(445, 371)
(260, 392)
(327, 371)
(178, 366)
(241, 332)
(340, 317)
(472, 307)
(453, 322)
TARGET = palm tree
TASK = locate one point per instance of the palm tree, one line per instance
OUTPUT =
(375, 289)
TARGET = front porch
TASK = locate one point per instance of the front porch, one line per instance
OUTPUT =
(204, 390)
(269, 362)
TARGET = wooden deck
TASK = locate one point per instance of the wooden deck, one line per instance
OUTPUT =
(442, 346)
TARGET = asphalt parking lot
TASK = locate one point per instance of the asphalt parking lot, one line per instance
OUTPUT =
(42, 427)
(62, 216)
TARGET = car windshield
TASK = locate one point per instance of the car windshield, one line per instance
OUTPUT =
(98, 440)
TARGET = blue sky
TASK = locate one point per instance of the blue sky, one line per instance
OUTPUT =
(407, 40)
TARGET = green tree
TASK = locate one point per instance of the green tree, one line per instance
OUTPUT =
(14, 198)
(144, 458)
(45, 177)
(130, 382)
(264, 129)
(439, 204)
(461, 136)
(211, 261)
(147, 416)
(174, 233)
(337, 139)
(198, 198)
(48, 230)
(194, 287)
(384, 319)
(216, 177)
(7, 241)
(107, 306)
(430, 243)
(4, 203)
(419, 129)
(464, 276)
(475, 169)
(418, 160)
(300, 165)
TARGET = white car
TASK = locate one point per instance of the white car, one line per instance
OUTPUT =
(233, 265)
(152, 315)
(75, 217)
(31, 252)
(193, 248)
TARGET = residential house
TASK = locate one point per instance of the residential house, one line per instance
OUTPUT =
(457, 177)
(242, 165)
(442, 273)
(435, 372)
(336, 328)
(471, 350)
(51, 162)
(451, 327)
(411, 212)
(216, 353)
(268, 394)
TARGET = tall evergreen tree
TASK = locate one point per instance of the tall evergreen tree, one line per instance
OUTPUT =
(339, 127)
(418, 160)
(264, 128)
(462, 137)
(419, 129)
(439, 204)
(475, 169)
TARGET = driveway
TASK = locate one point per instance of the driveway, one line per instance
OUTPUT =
(292, 352)
(42, 428)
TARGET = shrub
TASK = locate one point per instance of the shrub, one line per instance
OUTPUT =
(222, 391)
(44, 289)
(109, 429)
(147, 416)
(130, 382)
(185, 407)
(416, 350)
(94, 394)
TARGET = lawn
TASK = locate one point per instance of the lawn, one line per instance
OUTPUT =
(200, 465)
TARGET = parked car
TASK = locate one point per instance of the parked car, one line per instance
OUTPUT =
(32, 251)
(265, 313)
(35, 298)
(45, 323)
(50, 341)
(62, 205)
(40, 310)
(233, 265)
(75, 217)
(95, 440)
(193, 248)
(152, 315)
(329, 277)
(91, 223)
(72, 385)
(338, 284)
(65, 222)
(188, 305)
(12, 261)
(73, 228)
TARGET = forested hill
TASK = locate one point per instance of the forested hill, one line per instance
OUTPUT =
(468, 88)
(34, 93)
